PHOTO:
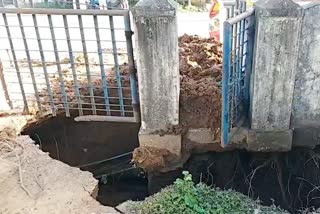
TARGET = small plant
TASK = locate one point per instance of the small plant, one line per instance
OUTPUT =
(186, 197)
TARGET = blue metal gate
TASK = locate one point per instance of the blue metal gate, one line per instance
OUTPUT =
(71, 61)
(238, 44)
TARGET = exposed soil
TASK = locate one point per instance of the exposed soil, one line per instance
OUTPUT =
(290, 180)
(200, 76)
(95, 147)
(32, 182)
(200, 95)
(200, 100)
(82, 143)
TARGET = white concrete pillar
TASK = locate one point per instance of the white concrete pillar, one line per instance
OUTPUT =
(158, 72)
(275, 61)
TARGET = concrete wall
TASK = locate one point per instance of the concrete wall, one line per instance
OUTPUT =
(285, 82)
(305, 118)
(306, 102)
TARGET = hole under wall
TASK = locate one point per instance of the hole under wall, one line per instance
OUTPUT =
(289, 179)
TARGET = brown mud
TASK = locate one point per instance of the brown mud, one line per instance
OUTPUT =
(200, 94)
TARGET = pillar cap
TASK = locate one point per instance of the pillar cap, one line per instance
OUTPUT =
(155, 8)
(278, 8)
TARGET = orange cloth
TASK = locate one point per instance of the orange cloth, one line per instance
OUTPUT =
(214, 25)
(215, 9)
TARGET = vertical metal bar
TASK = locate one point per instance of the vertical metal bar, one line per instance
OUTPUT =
(116, 64)
(227, 34)
(16, 63)
(74, 72)
(243, 27)
(250, 54)
(238, 74)
(228, 12)
(4, 87)
(34, 82)
(85, 54)
(132, 68)
(43, 62)
(9, 57)
(56, 53)
(1, 3)
(103, 73)
(77, 4)
(234, 72)
(31, 3)
(15, 2)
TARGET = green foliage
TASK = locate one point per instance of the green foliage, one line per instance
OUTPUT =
(186, 197)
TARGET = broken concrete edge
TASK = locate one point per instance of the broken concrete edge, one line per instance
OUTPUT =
(269, 141)
(82, 193)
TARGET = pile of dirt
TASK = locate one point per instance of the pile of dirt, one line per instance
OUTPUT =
(200, 76)
(152, 159)
(84, 90)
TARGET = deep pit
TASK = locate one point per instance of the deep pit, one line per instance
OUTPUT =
(290, 180)
(103, 148)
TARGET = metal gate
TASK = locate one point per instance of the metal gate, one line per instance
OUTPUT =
(238, 44)
(70, 61)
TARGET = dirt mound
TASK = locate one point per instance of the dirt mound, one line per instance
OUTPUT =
(152, 159)
(200, 76)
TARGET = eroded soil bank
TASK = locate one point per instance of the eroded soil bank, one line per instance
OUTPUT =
(290, 180)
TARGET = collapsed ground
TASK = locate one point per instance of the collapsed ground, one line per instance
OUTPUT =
(31, 182)
(291, 179)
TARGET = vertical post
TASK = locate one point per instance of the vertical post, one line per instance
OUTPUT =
(33, 78)
(132, 68)
(16, 65)
(86, 61)
(102, 69)
(227, 34)
(4, 87)
(116, 64)
(73, 68)
(158, 72)
(275, 56)
(44, 66)
(56, 54)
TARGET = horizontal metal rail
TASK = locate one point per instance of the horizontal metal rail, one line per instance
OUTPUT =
(240, 17)
(45, 11)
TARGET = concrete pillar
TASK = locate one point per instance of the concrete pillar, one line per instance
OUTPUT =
(306, 100)
(276, 50)
(158, 72)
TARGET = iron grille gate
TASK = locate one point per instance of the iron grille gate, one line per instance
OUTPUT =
(237, 65)
(78, 62)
